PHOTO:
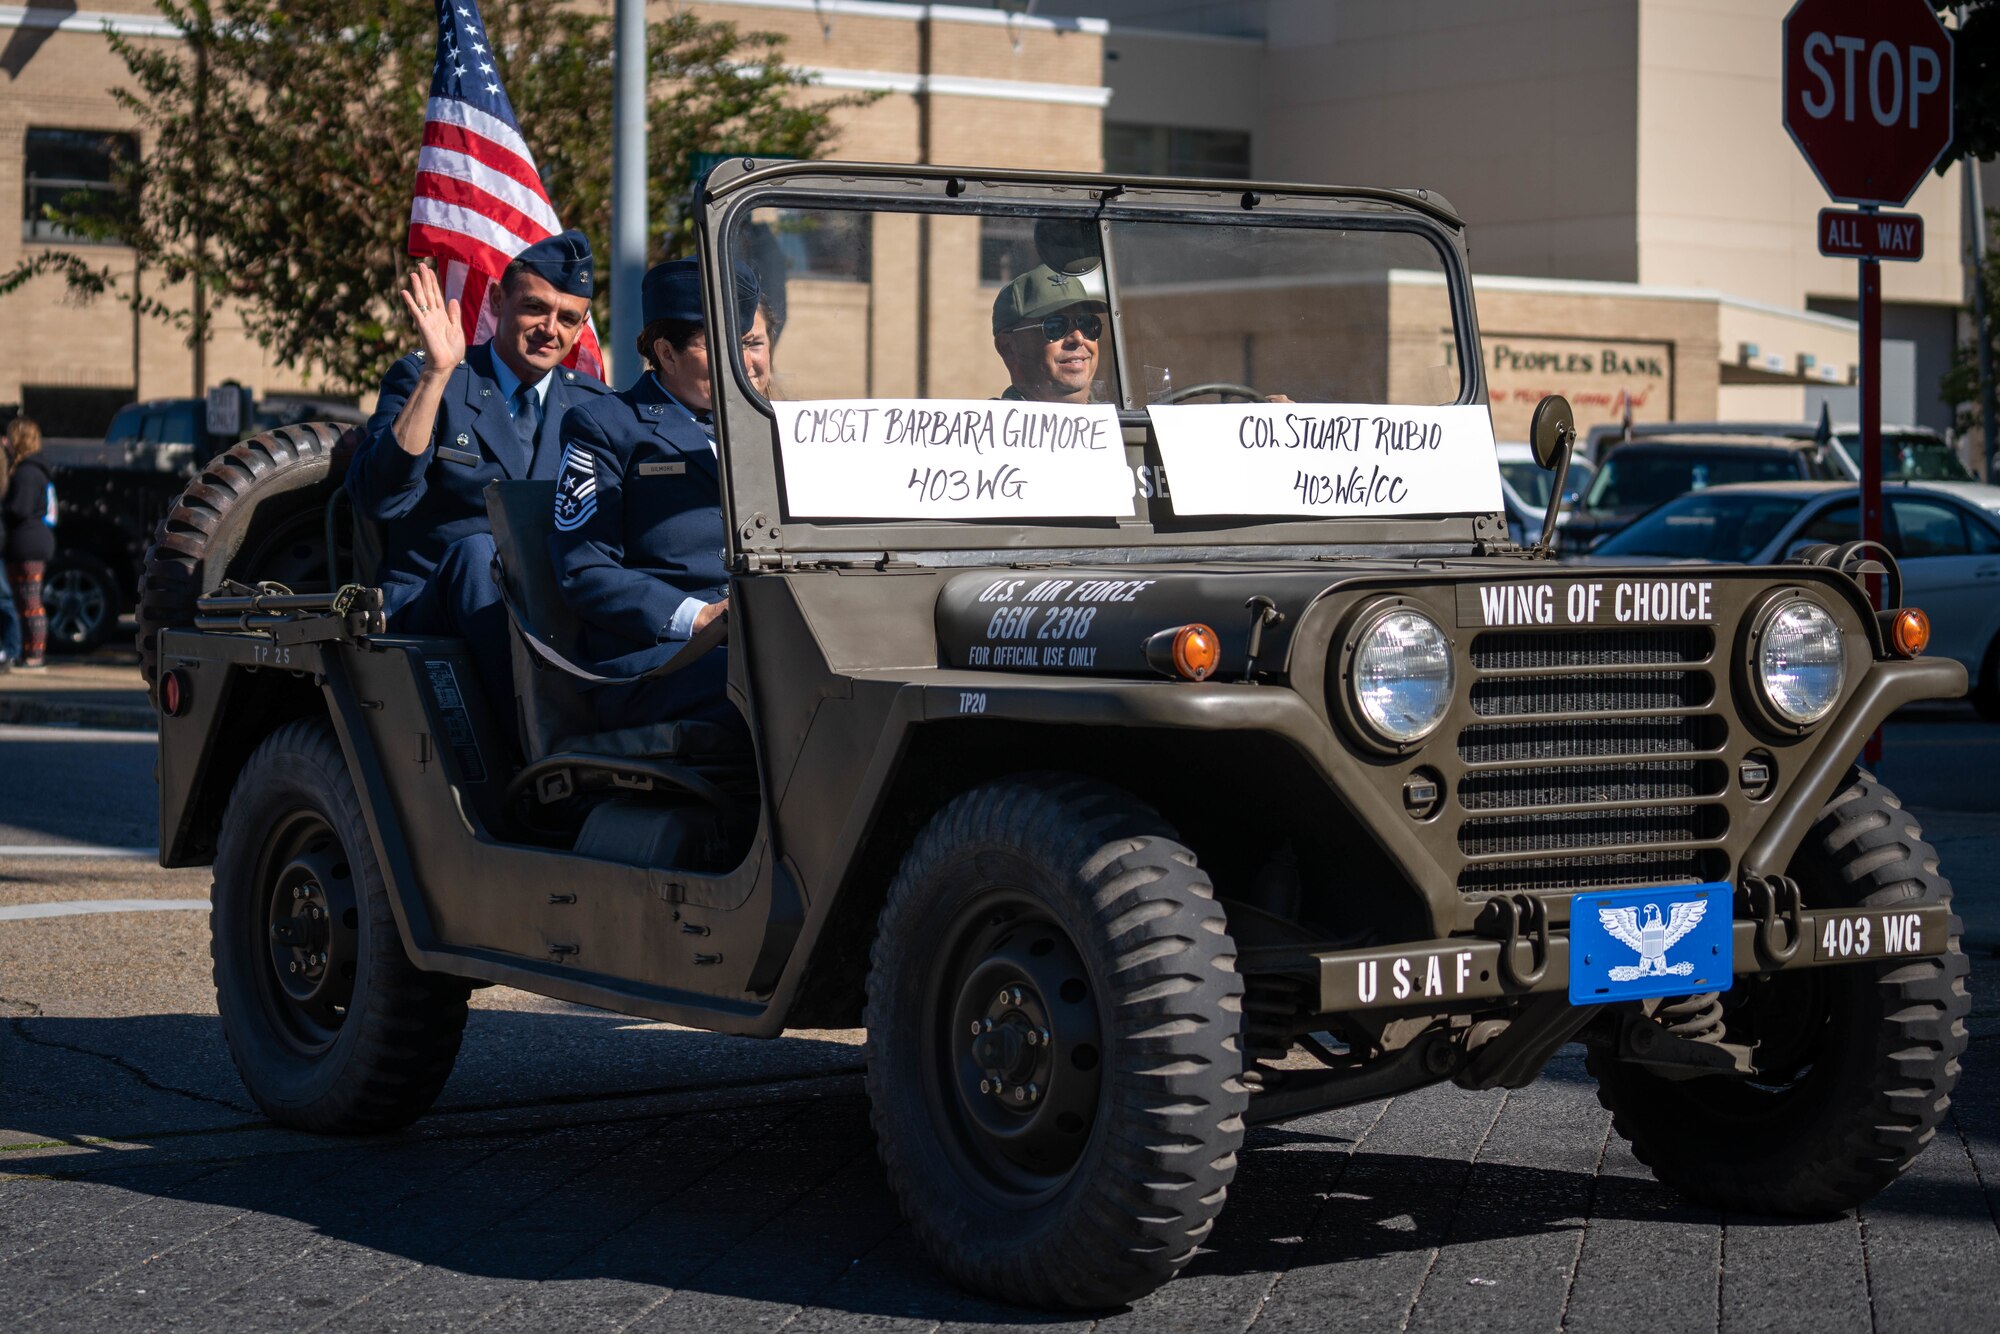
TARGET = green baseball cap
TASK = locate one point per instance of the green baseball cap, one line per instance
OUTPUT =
(1038, 292)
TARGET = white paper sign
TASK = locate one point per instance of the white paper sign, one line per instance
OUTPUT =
(944, 458)
(1328, 460)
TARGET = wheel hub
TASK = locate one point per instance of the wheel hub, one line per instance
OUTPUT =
(312, 935)
(1023, 1052)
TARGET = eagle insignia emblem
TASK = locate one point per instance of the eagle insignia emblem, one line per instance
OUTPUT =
(576, 490)
(1652, 937)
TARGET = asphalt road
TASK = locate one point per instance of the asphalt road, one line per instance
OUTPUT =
(590, 1171)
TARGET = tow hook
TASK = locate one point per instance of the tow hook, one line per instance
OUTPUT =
(1775, 905)
(1520, 921)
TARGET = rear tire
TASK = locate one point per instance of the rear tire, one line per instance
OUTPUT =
(246, 502)
(330, 1025)
(1050, 932)
(1856, 1062)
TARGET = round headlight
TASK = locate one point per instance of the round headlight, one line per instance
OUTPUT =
(1800, 664)
(1402, 676)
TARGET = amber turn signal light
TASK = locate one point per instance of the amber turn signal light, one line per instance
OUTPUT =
(1909, 632)
(1191, 652)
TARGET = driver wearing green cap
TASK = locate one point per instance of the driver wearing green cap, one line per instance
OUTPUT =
(1046, 327)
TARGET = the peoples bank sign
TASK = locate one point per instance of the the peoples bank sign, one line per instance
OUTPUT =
(1597, 375)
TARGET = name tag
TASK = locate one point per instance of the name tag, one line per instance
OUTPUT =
(450, 455)
(662, 469)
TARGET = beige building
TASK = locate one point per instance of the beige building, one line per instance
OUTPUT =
(956, 84)
(1641, 226)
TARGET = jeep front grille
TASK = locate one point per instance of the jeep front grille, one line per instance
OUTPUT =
(1596, 761)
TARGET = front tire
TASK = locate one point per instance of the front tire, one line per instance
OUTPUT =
(329, 1024)
(1053, 1044)
(1856, 1063)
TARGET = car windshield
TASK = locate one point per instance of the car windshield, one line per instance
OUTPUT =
(1705, 526)
(885, 304)
(1017, 359)
(1916, 457)
(1644, 477)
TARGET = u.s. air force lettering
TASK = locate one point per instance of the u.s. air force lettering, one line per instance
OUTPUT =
(1588, 602)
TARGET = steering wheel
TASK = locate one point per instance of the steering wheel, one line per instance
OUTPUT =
(1223, 389)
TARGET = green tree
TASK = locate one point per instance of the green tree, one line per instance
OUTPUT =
(280, 142)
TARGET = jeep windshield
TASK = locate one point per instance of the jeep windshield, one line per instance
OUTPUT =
(1058, 363)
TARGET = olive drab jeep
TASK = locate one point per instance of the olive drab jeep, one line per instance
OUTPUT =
(1150, 732)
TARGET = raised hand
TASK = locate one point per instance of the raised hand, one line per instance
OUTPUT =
(437, 320)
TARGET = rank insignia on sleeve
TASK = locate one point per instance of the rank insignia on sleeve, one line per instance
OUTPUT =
(576, 490)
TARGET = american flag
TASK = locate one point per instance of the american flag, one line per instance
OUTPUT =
(479, 199)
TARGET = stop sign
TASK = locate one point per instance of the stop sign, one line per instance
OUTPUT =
(1868, 94)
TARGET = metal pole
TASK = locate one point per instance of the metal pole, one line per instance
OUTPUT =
(628, 192)
(1982, 330)
(1871, 434)
(200, 365)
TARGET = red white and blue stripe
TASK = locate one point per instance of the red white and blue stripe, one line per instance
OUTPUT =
(479, 199)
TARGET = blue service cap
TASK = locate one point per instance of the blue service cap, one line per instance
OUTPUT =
(672, 291)
(562, 260)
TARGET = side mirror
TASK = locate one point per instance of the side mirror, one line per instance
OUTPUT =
(1552, 432)
(1552, 437)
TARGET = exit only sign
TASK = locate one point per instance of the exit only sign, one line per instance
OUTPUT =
(1845, 235)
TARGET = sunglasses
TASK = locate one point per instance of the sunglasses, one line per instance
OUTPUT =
(1055, 328)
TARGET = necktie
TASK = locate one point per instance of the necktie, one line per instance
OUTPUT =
(526, 423)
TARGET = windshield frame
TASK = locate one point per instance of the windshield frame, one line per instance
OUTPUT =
(755, 516)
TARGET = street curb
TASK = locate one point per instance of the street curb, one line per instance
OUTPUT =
(68, 713)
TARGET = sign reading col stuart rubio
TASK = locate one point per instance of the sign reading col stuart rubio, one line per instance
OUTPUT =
(1329, 460)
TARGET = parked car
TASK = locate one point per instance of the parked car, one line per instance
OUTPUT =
(1909, 453)
(1634, 477)
(1948, 548)
(1525, 484)
(110, 496)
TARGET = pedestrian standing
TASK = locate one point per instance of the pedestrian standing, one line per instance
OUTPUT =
(31, 535)
(10, 619)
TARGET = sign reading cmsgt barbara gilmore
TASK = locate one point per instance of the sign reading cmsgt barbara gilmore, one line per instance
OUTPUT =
(1329, 460)
(952, 459)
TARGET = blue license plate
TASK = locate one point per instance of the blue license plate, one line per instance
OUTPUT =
(1629, 944)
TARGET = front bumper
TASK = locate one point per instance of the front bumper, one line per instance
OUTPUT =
(1530, 959)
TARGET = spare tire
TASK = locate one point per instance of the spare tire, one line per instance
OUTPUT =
(255, 513)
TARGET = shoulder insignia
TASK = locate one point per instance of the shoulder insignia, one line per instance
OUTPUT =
(576, 490)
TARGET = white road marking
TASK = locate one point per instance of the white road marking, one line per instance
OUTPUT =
(29, 850)
(79, 907)
(30, 732)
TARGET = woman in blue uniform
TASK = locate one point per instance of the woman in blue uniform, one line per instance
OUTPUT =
(638, 541)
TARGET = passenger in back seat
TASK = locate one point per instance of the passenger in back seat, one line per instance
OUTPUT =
(638, 541)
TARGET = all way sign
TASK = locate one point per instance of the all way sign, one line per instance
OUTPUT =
(1845, 235)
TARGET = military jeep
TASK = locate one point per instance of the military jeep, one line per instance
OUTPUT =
(1192, 754)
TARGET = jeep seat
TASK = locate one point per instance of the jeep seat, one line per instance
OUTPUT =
(555, 716)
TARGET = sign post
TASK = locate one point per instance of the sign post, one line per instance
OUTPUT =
(1868, 100)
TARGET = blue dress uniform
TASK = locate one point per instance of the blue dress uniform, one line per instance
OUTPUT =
(437, 545)
(638, 541)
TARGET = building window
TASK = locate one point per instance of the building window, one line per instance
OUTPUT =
(77, 171)
(1172, 150)
(1006, 249)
